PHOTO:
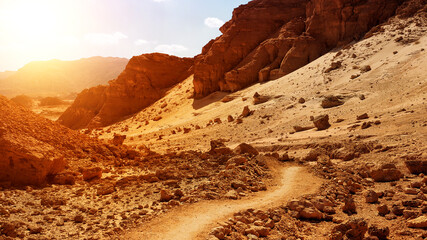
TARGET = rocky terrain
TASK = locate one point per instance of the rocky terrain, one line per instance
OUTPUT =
(352, 116)
(45, 78)
(83, 188)
(63, 166)
(333, 150)
(34, 148)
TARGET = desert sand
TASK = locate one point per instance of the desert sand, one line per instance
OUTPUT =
(333, 150)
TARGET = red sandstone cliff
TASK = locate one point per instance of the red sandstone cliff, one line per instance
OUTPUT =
(267, 39)
(144, 81)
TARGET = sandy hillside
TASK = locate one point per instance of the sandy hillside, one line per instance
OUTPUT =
(386, 90)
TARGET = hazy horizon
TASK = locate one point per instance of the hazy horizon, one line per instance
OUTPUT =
(69, 30)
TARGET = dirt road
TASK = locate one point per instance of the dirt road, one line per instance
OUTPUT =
(196, 220)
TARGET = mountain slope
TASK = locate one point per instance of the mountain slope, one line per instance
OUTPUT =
(55, 77)
(268, 39)
(144, 81)
(396, 56)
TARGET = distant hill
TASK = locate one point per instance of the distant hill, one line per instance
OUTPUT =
(6, 74)
(56, 77)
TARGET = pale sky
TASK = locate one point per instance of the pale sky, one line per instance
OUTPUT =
(32, 30)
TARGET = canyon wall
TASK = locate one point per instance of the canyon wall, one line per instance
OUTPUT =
(267, 39)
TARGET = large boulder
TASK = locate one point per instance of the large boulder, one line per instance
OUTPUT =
(84, 108)
(322, 122)
(145, 80)
(234, 59)
(304, 209)
(245, 148)
(380, 232)
(310, 213)
(371, 196)
(267, 39)
(354, 228)
(25, 160)
(417, 166)
(386, 173)
(331, 101)
(420, 222)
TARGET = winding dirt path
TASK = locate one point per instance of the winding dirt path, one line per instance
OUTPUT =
(194, 221)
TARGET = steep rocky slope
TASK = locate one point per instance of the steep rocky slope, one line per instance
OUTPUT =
(55, 77)
(32, 147)
(267, 39)
(144, 81)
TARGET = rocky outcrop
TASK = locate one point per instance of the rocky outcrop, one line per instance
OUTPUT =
(32, 148)
(21, 164)
(267, 39)
(84, 108)
(144, 81)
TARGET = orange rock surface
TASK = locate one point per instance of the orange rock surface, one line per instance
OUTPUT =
(32, 147)
(268, 39)
(144, 81)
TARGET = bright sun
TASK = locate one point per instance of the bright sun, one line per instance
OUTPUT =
(30, 20)
(36, 29)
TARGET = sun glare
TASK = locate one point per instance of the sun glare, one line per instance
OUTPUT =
(35, 30)
(30, 20)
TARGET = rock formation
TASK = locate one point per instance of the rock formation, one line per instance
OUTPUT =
(32, 147)
(144, 81)
(267, 39)
(84, 108)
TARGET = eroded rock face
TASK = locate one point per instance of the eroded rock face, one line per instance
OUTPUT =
(144, 81)
(27, 164)
(23, 159)
(267, 39)
(85, 107)
(33, 148)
